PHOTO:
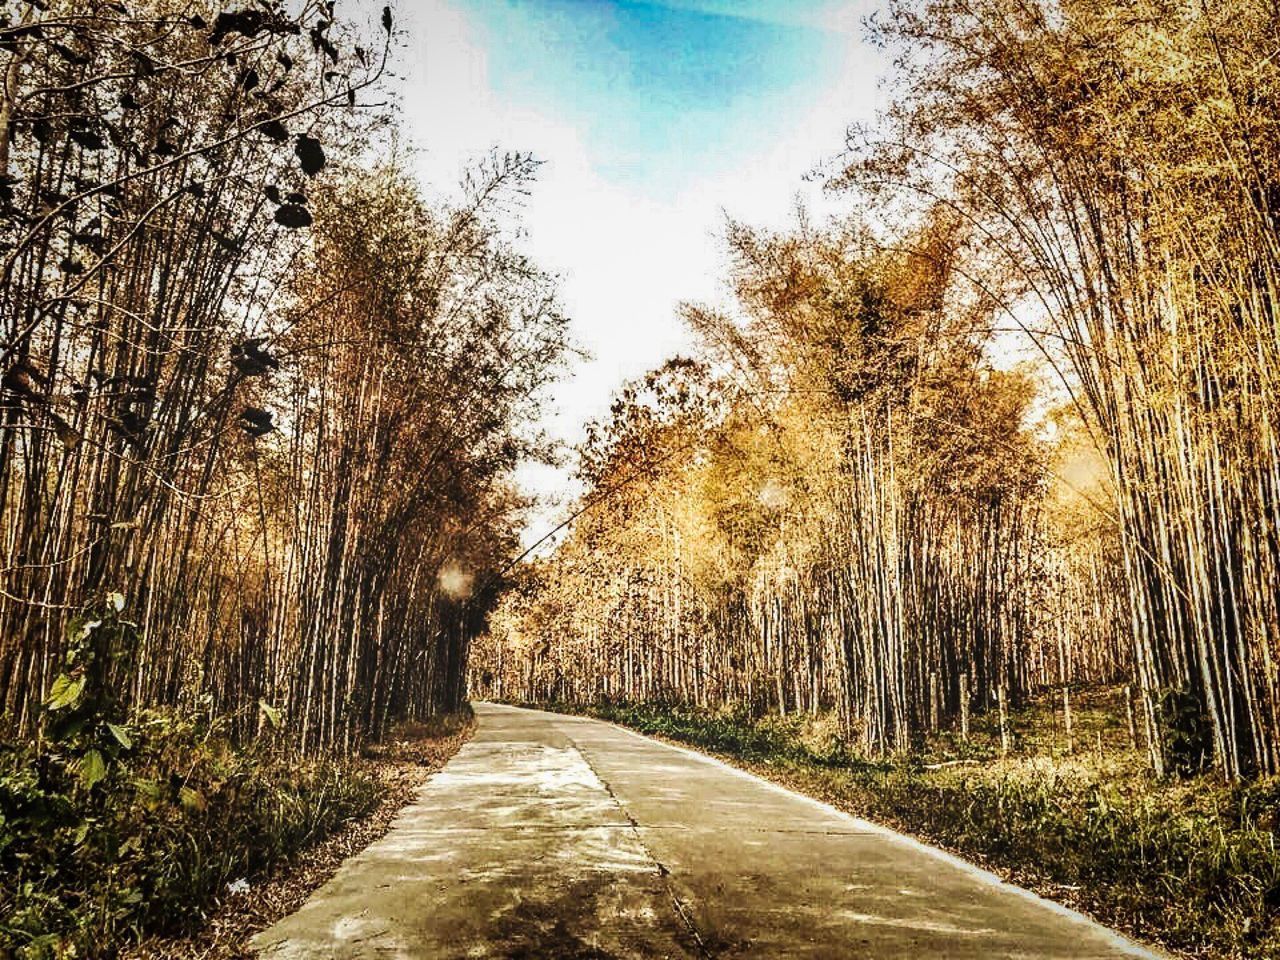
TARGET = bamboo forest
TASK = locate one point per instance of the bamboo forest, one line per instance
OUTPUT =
(957, 509)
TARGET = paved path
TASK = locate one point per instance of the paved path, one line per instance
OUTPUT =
(562, 837)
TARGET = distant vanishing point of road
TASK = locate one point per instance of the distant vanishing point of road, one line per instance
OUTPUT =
(561, 837)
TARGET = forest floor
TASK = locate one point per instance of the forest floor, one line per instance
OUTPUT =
(399, 766)
(1190, 865)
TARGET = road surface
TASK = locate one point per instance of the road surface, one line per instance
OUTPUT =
(563, 837)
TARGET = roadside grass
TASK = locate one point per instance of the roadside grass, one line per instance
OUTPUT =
(1191, 865)
(167, 833)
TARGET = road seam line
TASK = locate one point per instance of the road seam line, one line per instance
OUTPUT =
(663, 872)
(1117, 939)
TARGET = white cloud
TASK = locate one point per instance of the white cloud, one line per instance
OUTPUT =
(626, 261)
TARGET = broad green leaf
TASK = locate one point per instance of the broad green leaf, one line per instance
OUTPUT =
(149, 791)
(121, 734)
(92, 768)
(82, 831)
(65, 692)
(270, 712)
(73, 729)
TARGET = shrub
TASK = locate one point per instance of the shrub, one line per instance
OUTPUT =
(150, 844)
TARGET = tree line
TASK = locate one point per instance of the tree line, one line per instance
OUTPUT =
(851, 499)
(260, 400)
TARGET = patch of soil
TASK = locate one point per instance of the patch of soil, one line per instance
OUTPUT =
(402, 765)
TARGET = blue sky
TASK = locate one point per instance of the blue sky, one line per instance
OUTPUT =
(662, 93)
(654, 120)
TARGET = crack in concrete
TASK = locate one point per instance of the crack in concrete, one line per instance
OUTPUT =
(663, 873)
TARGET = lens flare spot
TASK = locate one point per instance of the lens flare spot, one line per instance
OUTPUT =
(455, 581)
(773, 495)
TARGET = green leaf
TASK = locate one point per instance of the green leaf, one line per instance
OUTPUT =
(121, 734)
(270, 712)
(150, 792)
(92, 768)
(191, 799)
(65, 692)
(116, 600)
(80, 629)
(82, 831)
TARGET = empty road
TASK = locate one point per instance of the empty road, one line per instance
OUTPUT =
(563, 837)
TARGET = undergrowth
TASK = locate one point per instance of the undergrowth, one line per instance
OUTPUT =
(150, 845)
(116, 825)
(1190, 864)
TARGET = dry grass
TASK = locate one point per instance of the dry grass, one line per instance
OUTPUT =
(1190, 865)
(401, 764)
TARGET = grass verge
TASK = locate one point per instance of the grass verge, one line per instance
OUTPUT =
(1190, 865)
(186, 845)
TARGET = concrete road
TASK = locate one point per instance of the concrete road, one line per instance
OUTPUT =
(562, 837)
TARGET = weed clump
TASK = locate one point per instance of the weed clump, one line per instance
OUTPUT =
(149, 842)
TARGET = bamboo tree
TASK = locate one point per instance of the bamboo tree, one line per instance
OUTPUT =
(269, 397)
